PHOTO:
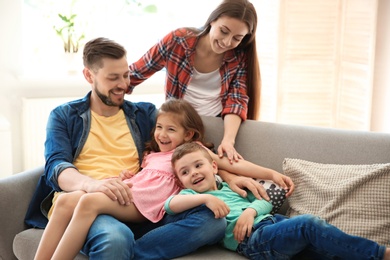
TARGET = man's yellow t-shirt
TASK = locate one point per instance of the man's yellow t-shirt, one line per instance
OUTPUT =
(109, 149)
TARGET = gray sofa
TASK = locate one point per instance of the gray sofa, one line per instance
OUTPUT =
(263, 143)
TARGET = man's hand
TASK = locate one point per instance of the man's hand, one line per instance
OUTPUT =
(239, 183)
(114, 188)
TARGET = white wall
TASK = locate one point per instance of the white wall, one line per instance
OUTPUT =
(6, 148)
(10, 31)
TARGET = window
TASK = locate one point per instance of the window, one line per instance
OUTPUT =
(133, 23)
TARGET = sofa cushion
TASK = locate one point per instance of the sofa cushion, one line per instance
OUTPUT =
(355, 198)
(26, 243)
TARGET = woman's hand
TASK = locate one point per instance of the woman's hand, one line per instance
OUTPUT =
(228, 148)
(231, 124)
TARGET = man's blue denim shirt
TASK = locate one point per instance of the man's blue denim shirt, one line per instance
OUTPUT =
(66, 133)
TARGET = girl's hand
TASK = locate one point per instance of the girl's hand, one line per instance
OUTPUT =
(239, 183)
(217, 206)
(126, 174)
(244, 225)
(228, 148)
(284, 182)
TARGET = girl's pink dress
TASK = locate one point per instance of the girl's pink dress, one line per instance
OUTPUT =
(154, 184)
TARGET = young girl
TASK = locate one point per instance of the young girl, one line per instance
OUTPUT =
(214, 67)
(251, 230)
(73, 214)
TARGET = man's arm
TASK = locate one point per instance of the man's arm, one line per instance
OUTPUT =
(70, 180)
(59, 169)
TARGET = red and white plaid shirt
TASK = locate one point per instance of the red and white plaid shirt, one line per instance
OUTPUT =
(176, 52)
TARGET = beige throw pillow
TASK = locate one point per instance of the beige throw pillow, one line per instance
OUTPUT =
(354, 198)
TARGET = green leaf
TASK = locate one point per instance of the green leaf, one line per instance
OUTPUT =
(150, 9)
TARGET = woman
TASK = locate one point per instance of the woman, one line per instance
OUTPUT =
(215, 68)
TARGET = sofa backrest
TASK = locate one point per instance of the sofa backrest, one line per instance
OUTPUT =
(268, 144)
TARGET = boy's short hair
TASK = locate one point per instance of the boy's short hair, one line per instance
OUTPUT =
(188, 148)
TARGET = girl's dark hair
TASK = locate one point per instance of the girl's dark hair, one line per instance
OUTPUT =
(244, 11)
(97, 49)
(188, 118)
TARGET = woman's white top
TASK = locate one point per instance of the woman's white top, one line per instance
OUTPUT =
(203, 93)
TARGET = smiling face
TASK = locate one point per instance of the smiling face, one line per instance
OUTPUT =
(196, 172)
(109, 82)
(169, 133)
(226, 33)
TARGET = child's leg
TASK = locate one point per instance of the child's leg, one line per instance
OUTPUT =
(59, 220)
(89, 207)
(286, 238)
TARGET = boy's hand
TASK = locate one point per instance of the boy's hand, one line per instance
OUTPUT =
(217, 206)
(244, 225)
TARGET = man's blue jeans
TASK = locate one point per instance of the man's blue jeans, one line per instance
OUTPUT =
(278, 237)
(174, 236)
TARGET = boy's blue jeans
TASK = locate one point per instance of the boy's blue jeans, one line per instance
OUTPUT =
(176, 235)
(279, 237)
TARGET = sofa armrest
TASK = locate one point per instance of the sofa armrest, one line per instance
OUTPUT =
(16, 192)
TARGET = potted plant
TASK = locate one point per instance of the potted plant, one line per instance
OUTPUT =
(68, 34)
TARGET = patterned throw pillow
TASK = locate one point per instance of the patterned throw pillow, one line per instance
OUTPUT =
(354, 198)
(276, 194)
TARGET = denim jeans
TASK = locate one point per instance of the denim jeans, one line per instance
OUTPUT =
(278, 237)
(174, 236)
(181, 234)
(108, 238)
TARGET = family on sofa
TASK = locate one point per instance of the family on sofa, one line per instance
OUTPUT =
(105, 110)
(91, 140)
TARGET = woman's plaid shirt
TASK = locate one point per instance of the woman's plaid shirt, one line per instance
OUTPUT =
(175, 52)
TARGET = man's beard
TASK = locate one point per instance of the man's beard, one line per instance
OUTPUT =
(106, 99)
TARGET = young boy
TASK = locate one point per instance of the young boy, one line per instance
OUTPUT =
(251, 230)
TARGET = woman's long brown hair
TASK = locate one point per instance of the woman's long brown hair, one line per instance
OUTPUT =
(242, 10)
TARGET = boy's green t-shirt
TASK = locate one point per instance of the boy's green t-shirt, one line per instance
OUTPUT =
(237, 205)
